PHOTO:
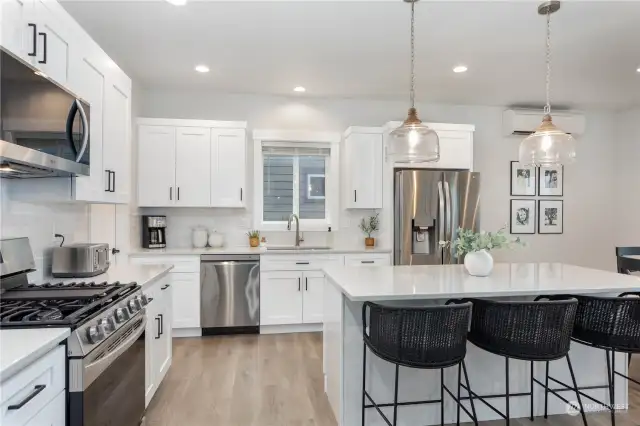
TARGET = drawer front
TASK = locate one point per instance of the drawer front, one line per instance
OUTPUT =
(54, 414)
(367, 259)
(181, 264)
(29, 391)
(298, 263)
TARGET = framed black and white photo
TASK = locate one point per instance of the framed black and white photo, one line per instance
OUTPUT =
(523, 179)
(550, 216)
(523, 217)
(550, 181)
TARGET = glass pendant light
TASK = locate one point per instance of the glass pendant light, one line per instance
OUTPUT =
(413, 142)
(548, 146)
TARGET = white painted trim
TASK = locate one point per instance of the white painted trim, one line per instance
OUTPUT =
(191, 123)
(359, 129)
(435, 126)
(296, 136)
(290, 328)
(186, 332)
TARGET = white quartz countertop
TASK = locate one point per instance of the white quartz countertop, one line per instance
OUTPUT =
(377, 283)
(126, 273)
(21, 347)
(257, 250)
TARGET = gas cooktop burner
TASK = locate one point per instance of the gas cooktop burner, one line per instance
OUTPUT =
(60, 304)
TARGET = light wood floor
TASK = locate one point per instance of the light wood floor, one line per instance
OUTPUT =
(276, 380)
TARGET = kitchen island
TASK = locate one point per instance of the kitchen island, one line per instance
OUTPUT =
(348, 287)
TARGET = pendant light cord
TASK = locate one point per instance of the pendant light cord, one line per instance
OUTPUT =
(413, 54)
(547, 107)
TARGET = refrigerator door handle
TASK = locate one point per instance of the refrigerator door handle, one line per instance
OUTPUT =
(449, 230)
(441, 234)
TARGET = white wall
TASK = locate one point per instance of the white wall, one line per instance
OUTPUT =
(588, 228)
(627, 179)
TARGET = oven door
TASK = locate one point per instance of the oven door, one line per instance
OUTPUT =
(112, 382)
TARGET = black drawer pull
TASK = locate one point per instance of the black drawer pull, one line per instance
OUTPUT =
(299, 284)
(367, 261)
(165, 287)
(36, 390)
(302, 263)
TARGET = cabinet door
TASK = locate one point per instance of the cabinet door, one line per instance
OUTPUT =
(228, 168)
(89, 79)
(164, 342)
(15, 33)
(280, 298)
(312, 304)
(116, 145)
(53, 414)
(364, 160)
(186, 300)
(455, 150)
(53, 41)
(156, 166)
(151, 330)
(193, 167)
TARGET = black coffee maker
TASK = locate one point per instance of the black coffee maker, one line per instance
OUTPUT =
(154, 232)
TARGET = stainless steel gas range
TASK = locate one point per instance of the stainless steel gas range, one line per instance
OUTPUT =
(106, 349)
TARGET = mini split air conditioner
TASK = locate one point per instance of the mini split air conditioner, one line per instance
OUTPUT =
(524, 121)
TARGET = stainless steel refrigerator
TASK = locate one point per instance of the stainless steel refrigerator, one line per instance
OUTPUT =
(430, 206)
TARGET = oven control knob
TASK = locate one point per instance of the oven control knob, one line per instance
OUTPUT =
(134, 306)
(95, 334)
(143, 300)
(121, 314)
(107, 324)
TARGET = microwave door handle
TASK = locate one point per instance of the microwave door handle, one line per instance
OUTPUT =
(85, 132)
(69, 128)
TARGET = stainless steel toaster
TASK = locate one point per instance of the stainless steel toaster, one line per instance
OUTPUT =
(80, 260)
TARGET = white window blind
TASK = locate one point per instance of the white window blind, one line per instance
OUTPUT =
(294, 181)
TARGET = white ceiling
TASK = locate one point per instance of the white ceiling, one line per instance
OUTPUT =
(361, 48)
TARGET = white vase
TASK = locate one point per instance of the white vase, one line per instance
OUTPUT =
(478, 263)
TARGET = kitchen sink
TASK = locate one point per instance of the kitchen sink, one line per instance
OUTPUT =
(294, 248)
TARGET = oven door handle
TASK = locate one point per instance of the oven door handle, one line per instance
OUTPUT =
(93, 370)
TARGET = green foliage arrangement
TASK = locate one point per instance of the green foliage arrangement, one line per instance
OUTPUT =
(370, 225)
(469, 241)
(254, 233)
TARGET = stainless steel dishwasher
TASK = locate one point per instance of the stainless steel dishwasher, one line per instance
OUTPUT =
(229, 294)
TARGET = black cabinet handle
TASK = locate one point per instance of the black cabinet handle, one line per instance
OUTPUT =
(302, 263)
(299, 284)
(367, 261)
(178, 193)
(171, 193)
(115, 251)
(113, 188)
(108, 181)
(36, 390)
(355, 196)
(44, 56)
(165, 287)
(158, 319)
(35, 40)
(306, 284)
(161, 324)
(240, 194)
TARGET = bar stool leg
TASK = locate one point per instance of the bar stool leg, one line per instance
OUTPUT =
(473, 405)
(531, 387)
(575, 387)
(459, 387)
(546, 391)
(395, 398)
(442, 397)
(364, 379)
(611, 368)
(507, 388)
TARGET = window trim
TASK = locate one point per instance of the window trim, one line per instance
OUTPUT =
(332, 177)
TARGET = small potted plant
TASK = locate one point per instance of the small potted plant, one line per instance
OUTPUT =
(475, 247)
(369, 226)
(254, 237)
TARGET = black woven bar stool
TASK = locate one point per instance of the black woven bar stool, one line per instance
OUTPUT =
(626, 265)
(423, 338)
(529, 331)
(612, 324)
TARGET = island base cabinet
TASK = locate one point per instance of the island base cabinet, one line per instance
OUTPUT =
(54, 414)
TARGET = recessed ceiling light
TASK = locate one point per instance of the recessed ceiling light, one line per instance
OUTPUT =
(177, 2)
(638, 70)
(202, 68)
(299, 89)
(460, 68)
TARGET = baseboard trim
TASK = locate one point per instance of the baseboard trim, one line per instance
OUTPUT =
(290, 328)
(186, 332)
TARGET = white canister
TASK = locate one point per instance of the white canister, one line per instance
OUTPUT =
(199, 237)
(216, 239)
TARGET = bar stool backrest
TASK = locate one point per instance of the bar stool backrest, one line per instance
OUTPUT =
(627, 266)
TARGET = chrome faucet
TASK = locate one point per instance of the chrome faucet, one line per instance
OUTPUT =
(299, 238)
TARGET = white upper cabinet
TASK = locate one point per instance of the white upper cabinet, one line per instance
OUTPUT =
(53, 40)
(15, 33)
(156, 165)
(228, 167)
(193, 156)
(362, 168)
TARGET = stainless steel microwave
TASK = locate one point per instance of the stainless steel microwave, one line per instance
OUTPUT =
(44, 128)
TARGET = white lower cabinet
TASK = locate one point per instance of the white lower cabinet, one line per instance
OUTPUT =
(367, 259)
(280, 297)
(313, 297)
(158, 335)
(51, 415)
